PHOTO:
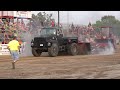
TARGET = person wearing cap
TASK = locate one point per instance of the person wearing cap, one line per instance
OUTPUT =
(14, 47)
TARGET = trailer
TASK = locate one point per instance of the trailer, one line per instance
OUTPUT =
(106, 41)
(99, 40)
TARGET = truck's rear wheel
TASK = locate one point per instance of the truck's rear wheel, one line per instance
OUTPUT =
(53, 50)
(73, 49)
(36, 52)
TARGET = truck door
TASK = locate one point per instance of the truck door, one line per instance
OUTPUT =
(60, 40)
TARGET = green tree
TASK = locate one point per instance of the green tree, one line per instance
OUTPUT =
(38, 21)
(110, 21)
(41, 20)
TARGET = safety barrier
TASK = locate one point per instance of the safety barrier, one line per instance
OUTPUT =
(5, 51)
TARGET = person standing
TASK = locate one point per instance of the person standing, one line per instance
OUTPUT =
(14, 47)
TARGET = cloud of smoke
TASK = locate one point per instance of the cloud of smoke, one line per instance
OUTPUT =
(108, 50)
(26, 47)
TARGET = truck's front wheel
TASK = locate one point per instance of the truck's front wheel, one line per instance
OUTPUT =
(73, 49)
(53, 50)
(36, 52)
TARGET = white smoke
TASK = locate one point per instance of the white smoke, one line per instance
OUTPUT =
(108, 50)
(26, 46)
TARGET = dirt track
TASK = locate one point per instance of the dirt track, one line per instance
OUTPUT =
(62, 67)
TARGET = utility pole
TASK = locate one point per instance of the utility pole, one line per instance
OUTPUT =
(68, 19)
(58, 19)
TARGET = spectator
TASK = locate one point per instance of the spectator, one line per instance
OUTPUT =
(14, 47)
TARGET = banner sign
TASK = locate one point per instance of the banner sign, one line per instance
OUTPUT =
(4, 50)
(24, 14)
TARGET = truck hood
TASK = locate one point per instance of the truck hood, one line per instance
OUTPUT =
(45, 38)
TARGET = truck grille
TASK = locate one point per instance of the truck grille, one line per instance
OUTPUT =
(38, 41)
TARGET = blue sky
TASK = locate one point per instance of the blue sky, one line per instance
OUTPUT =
(81, 17)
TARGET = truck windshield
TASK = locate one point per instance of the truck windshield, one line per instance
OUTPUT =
(48, 31)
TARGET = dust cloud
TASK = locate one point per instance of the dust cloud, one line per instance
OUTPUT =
(26, 46)
(109, 50)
